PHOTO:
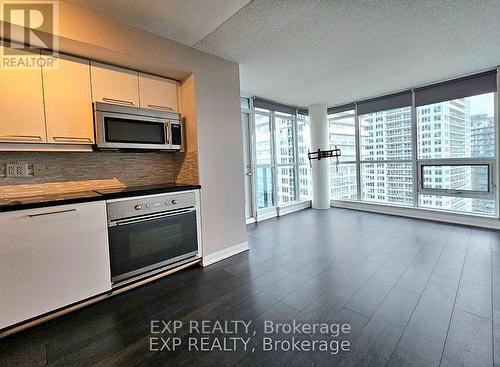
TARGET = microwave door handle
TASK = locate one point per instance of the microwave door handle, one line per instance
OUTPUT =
(171, 129)
(183, 136)
(168, 132)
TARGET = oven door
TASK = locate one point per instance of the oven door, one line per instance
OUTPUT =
(123, 131)
(139, 245)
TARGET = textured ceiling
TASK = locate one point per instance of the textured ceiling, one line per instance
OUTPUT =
(184, 21)
(336, 51)
(326, 51)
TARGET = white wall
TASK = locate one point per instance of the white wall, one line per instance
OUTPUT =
(217, 89)
(320, 167)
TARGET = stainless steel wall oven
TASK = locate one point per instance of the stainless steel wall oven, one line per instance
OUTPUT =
(148, 233)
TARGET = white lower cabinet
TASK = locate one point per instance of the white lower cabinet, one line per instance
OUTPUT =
(50, 258)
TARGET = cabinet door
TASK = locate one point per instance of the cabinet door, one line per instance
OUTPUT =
(68, 102)
(114, 85)
(50, 258)
(21, 105)
(158, 93)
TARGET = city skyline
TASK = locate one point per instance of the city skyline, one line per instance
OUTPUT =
(461, 128)
(446, 130)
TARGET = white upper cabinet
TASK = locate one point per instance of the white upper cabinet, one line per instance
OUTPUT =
(111, 84)
(68, 102)
(54, 105)
(21, 105)
(158, 93)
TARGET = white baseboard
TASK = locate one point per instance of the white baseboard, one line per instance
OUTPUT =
(224, 254)
(250, 220)
(283, 210)
(267, 214)
(421, 213)
(294, 207)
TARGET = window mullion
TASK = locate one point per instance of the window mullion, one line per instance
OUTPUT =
(296, 157)
(495, 175)
(414, 150)
(273, 159)
(358, 152)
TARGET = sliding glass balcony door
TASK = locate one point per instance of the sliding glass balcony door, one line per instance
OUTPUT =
(264, 160)
(280, 140)
(246, 128)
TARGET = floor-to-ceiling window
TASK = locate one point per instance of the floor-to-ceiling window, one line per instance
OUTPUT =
(432, 147)
(285, 157)
(281, 142)
(385, 136)
(303, 146)
(456, 151)
(264, 160)
(342, 135)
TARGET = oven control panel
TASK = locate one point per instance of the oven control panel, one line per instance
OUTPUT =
(126, 208)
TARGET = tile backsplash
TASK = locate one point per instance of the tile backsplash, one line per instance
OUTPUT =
(70, 172)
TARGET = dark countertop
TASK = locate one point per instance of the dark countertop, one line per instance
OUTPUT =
(42, 201)
(129, 191)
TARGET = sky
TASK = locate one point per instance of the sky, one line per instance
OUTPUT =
(483, 103)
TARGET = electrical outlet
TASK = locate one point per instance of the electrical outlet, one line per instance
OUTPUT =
(21, 170)
(16, 170)
(10, 170)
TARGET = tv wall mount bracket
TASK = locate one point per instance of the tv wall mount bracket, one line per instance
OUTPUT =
(322, 154)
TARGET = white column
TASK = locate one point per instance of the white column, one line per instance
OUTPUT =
(320, 168)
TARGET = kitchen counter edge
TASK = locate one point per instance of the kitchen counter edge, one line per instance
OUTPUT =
(86, 199)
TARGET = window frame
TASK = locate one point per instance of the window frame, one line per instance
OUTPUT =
(356, 160)
(418, 163)
(275, 165)
(270, 165)
(473, 194)
(384, 161)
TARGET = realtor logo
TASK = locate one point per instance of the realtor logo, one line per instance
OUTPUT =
(26, 27)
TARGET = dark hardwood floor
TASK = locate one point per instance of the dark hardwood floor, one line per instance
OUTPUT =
(413, 292)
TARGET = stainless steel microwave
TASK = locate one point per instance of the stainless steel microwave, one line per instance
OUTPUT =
(124, 127)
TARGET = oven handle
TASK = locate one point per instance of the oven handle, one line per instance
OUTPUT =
(150, 217)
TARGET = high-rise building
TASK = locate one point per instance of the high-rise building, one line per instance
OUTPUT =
(482, 145)
(386, 140)
(303, 146)
(343, 177)
(482, 135)
(445, 130)
(263, 155)
(279, 159)
(285, 157)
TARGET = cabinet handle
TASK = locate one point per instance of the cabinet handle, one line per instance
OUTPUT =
(21, 138)
(160, 107)
(71, 140)
(113, 100)
(51, 213)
